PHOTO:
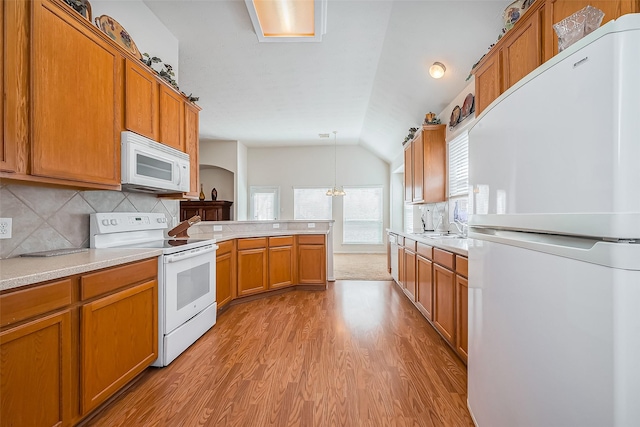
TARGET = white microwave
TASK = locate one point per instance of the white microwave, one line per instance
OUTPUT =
(151, 167)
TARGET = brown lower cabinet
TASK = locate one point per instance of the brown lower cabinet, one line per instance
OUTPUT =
(281, 262)
(252, 266)
(68, 345)
(444, 299)
(410, 270)
(225, 273)
(441, 290)
(312, 259)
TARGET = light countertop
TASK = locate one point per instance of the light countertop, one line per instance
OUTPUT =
(229, 235)
(19, 271)
(457, 246)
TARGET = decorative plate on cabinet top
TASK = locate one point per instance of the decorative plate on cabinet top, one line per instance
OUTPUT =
(117, 33)
(455, 116)
(468, 106)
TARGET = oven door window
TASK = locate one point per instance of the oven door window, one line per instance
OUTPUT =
(189, 288)
(192, 285)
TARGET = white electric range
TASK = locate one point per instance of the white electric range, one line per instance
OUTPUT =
(186, 275)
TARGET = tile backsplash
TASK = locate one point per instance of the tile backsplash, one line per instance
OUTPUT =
(51, 218)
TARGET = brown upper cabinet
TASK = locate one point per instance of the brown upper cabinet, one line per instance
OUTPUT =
(76, 100)
(69, 91)
(425, 166)
(141, 101)
(531, 42)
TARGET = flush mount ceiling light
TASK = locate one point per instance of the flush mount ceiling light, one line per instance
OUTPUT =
(288, 20)
(437, 70)
(335, 191)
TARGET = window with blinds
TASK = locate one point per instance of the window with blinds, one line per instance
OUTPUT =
(362, 216)
(311, 203)
(459, 165)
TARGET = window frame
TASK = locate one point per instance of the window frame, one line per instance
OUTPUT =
(263, 190)
(324, 191)
(349, 190)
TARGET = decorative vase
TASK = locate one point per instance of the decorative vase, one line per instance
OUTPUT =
(201, 197)
(214, 194)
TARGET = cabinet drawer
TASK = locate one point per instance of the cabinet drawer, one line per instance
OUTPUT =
(462, 266)
(99, 283)
(410, 244)
(280, 241)
(443, 258)
(224, 247)
(252, 243)
(425, 250)
(311, 239)
(20, 305)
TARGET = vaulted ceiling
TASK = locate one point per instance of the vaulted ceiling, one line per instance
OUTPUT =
(368, 78)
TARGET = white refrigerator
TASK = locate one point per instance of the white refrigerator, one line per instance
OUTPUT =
(554, 267)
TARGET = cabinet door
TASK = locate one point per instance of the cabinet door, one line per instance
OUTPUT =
(462, 317)
(408, 174)
(312, 264)
(401, 266)
(417, 153)
(522, 50)
(280, 267)
(141, 101)
(14, 84)
(425, 286)
(171, 118)
(444, 302)
(435, 164)
(35, 372)
(488, 81)
(76, 83)
(192, 146)
(410, 274)
(224, 276)
(210, 213)
(252, 271)
(118, 340)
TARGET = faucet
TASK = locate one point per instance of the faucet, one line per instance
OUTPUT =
(461, 227)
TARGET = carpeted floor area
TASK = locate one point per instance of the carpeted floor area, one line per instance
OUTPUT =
(360, 267)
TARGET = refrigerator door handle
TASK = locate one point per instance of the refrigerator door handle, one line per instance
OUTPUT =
(624, 255)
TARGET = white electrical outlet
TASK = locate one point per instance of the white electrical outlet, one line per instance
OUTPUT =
(276, 225)
(217, 228)
(5, 228)
(311, 225)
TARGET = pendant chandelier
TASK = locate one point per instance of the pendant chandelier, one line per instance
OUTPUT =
(335, 191)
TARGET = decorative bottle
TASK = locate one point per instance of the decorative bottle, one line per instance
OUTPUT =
(201, 197)
(214, 194)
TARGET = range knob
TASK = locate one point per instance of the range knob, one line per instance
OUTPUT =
(159, 219)
(114, 222)
(105, 222)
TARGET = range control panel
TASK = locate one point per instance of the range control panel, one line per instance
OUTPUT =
(117, 222)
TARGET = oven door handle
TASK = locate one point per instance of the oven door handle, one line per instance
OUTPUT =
(189, 254)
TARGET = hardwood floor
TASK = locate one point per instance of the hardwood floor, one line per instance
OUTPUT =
(358, 354)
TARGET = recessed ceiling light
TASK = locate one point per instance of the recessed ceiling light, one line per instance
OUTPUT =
(288, 20)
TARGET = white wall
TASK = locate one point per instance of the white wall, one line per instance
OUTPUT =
(224, 155)
(242, 183)
(147, 31)
(313, 167)
(221, 179)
